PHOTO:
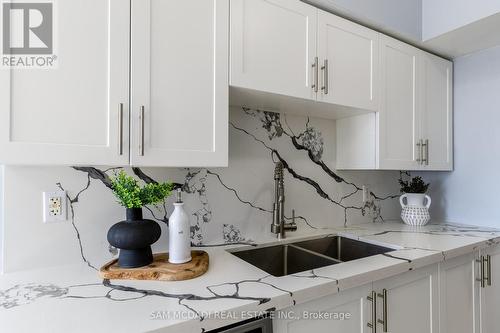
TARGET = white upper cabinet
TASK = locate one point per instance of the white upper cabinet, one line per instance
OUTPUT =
(176, 84)
(289, 48)
(414, 125)
(146, 83)
(76, 113)
(273, 46)
(436, 113)
(349, 63)
(179, 106)
(398, 117)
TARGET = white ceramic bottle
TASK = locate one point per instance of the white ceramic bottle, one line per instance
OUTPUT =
(179, 243)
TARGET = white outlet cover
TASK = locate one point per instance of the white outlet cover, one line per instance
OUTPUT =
(366, 193)
(54, 206)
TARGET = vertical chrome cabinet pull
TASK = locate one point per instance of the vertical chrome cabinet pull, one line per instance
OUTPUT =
(383, 321)
(315, 74)
(426, 144)
(419, 146)
(487, 261)
(373, 298)
(481, 279)
(324, 69)
(120, 129)
(141, 129)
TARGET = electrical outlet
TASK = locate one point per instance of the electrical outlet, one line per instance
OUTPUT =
(366, 194)
(54, 206)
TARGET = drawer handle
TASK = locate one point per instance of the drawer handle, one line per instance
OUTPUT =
(383, 321)
(315, 74)
(482, 270)
(425, 147)
(488, 270)
(324, 69)
(141, 129)
(120, 129)
(420, 152)
(373, 298)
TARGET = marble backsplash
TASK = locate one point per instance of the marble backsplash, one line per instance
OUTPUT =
(227, 205)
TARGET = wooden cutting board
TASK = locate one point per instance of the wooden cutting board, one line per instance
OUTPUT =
(160, 269)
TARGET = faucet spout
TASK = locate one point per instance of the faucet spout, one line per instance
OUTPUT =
(279, 227)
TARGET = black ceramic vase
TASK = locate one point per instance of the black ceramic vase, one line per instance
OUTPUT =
(134, 237)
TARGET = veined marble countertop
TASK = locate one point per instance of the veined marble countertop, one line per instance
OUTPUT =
(74, 298)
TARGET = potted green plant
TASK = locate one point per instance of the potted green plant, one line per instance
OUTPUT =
(135, 235)
(416, 209)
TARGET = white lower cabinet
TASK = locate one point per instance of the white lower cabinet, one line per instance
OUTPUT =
(459, 295)
(490, 291)
(352, 302)
(407, 303)
(470, 294)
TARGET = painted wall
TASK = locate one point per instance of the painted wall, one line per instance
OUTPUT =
(226, 205)
(442, 16)
(1, 218)
(403, 17)
(470, 194)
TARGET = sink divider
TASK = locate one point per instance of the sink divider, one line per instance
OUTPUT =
(315, 253)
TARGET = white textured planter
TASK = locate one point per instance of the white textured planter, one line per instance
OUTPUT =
(415, 211)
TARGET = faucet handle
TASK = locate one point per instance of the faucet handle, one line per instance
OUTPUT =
(292, 226)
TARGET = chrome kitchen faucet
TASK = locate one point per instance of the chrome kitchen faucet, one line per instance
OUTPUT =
(279, 227)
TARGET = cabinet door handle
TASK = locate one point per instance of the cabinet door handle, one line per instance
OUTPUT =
(383, 321)
(482, 270)
(141, 130)
(315, 74)
(426, 158)
(324, 69)
(120, 129)
(373, 324)
(420, 153)
(487, 261)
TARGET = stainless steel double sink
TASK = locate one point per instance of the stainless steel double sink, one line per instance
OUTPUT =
(286, 259)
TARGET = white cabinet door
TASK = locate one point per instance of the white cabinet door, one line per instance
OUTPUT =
(459, 295)
(179, 82)
(490, 295)
(273, 46)
(398, 117)
(69, 115)
(437, 115)
(352, 302)
(412, 302)
(349, 63)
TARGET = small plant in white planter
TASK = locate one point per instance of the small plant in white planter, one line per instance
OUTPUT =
(416, 209)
